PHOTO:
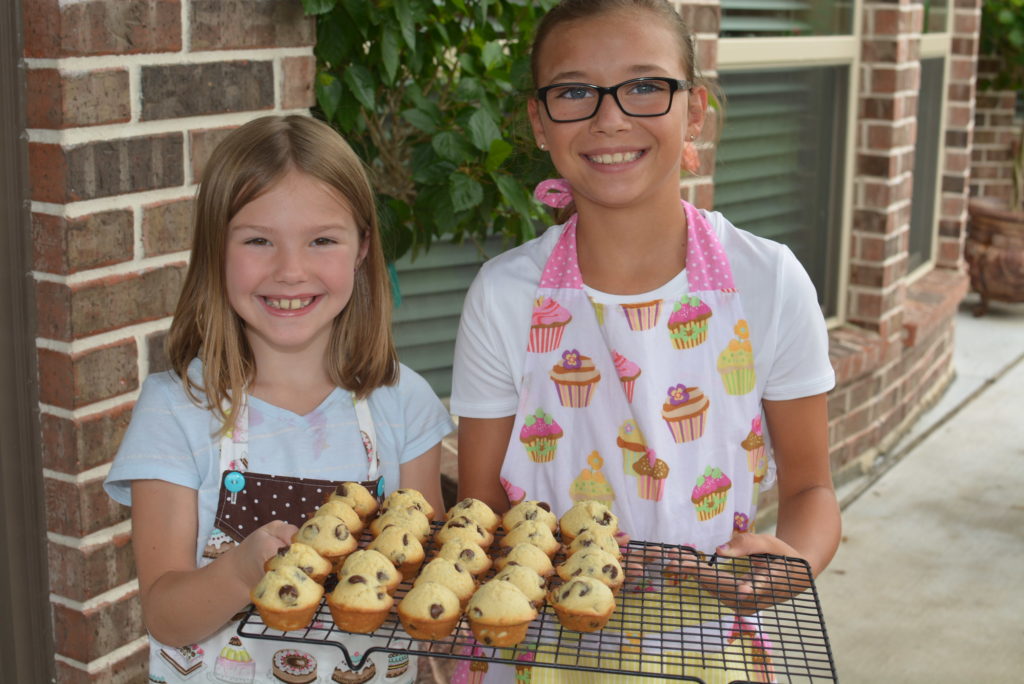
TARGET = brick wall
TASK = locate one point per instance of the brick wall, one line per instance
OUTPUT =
(125, 99)
(996, 129)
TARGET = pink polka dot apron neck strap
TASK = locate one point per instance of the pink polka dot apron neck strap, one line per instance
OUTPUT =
(554, 192)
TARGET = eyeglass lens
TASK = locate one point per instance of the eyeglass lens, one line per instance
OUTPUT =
(636, 98)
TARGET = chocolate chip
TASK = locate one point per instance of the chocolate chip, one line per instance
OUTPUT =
(341, 532)
(487, 639)
(467, 554)
(584, 590)
(283, 550)
(477, 612)
(288, 593)
(308, 569)
(405, 540)
(610, 570)
(530, 515)
(545, 505)
(436, 609)
(587, 542)
(312, 529)
(343, 490)
(578, 572)
(398, 558)
(380, 595)
(455, 523)
(382, 576)
(458, 568)
(606, 519)
(512, 563)
(480, 531)
(357, 579)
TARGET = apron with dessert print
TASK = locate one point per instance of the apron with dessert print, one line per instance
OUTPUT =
(247, 500)
(649, 405)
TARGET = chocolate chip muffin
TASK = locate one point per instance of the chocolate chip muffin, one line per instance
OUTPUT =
(530, 510)
(468, 554)
(329, 535)
(532, 532)
(499, 614)
(359, 603)
(429, 611)
(477, 510)
(371, 563)
(301, 556)
(583, 604)
(401, 548)
(409, 498)
(462, 527)
(533, 586)
(586, 514)
(358, 497)
(594, 563)
(410, 519)
(344, 511)
(595, 538)
(286, 598)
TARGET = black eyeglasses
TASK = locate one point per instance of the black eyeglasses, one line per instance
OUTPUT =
(647, 96)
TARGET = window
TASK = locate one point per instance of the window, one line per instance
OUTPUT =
(748, 18)
(926, 163)
(780, 165)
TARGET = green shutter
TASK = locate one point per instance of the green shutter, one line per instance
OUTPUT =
(778, 170)
(926, 162)
(746, 18)
(433, 287)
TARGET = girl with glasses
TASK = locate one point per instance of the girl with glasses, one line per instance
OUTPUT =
(644, 353)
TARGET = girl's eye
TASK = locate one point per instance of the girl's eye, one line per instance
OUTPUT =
(574, 92)
(646, 88)
(324, 241)
(257, 241)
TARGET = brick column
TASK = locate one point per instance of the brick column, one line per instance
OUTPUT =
(125, 100)
(704, 18)
(991, 171)
(960, 124)
(890, 78)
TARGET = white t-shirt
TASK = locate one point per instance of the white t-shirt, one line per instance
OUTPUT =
(787, 329)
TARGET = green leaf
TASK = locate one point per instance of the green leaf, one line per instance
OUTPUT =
(359, 79)
(311, 7)
(482, 130)
(513, 192)
(451, 146)
(493, 54)
(405, 22)
(390, 53)
(496, 156)
(466, 193)
(328, 93)
(420, 119)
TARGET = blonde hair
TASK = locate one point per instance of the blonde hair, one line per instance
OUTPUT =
(361, 353)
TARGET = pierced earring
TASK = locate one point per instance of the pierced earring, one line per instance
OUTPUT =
(691, 158)
(543, 147)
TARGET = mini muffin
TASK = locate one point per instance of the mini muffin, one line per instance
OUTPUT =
(374, 564)
(461, 527)
(329, 535)
(358, 497)
(286, 598)
(359, 604)
(586, 514)
(583, 604)
(345, 512)
(409, 519)
(401, 548)
(468, 554)
(301, 556)
(532, 532)
(530, 510)
(527, 555)
(499, 614)
(595, 538)
(526, 580)
(477, 510)
(594, 563)
(409, 498)
(452, 575)
(429, 611)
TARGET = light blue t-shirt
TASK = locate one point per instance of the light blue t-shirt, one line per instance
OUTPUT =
(170, 438)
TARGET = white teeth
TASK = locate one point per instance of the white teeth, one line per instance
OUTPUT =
(288, 304)
(617, 158)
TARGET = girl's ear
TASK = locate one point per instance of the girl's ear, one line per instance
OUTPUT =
(697, 107)
(364, 248)
(533, 109)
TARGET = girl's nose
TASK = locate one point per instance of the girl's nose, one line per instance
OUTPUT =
(290, 266)
(609, 116)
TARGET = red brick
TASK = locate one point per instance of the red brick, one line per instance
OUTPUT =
(167, 226)
(83, 573)
(73, 312)
(65, 246)
(202, 143)
(99, 27)
(73, 381)
(76, 510)
(62, 100)
(131, 669)
(172, 91)
(85, 636)
(298, 74)
(75, 445)
(47, 172)
(235, 24)
(156, 352)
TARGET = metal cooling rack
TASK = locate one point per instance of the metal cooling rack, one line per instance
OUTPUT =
(667, 614)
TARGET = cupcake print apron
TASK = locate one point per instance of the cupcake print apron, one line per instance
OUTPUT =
(246, 501)
(646, 404)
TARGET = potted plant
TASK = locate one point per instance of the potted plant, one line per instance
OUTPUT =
(995, 235)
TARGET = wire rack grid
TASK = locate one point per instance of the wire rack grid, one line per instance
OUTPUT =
(755, 619)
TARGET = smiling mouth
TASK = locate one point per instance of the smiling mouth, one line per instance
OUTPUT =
(616, 158)
(288, 304)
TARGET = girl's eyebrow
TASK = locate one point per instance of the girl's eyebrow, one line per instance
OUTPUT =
(580, 76)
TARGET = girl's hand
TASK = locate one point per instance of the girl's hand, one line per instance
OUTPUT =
(769, 582)
(258, 547)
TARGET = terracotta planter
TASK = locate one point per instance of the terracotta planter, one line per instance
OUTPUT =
(995, 252)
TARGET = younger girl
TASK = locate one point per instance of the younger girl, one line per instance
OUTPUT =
(285, 382)
(642, 353)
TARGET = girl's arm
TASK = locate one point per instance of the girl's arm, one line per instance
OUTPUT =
(808, 513)
(482, 446)
(424, 474)
(181, 604)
